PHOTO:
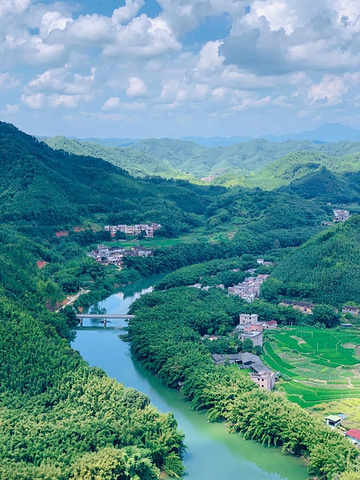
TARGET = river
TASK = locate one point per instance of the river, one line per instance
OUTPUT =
(212, 454)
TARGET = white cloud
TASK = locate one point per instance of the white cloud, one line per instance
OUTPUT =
(68, 101)
(112, 103)
(7, 81)
(128, 12)
(53, 21)
(136, 87)
(35, 102)
(9, 110)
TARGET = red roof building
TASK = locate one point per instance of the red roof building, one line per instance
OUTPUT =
(353, 434)
(271, 325)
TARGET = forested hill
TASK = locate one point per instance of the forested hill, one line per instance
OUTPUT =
(254, 163)
(42, 187)
(329, 262)
(137, 163)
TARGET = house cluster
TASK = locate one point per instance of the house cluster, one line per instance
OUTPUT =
(260, 373)
(133, 229)
(249, 289)
(250, 327)
(304, 307)
(341, 215)
(115, 255)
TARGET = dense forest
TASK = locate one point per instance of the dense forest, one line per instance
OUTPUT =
(329, 263)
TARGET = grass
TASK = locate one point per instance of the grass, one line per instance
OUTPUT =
(315, 366)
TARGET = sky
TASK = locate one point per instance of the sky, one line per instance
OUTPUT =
(175, 68)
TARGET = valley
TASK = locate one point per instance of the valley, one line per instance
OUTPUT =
(220, 240)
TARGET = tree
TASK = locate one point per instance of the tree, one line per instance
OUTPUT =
(326, 315)
(247, 345)
(120, 235)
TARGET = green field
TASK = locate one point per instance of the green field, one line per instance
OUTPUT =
(317, 366)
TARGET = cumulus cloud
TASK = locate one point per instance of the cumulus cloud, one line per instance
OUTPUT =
(35, 102)
(136, 87)
(128, 12)
(280, 36)
(112, 103)
(279, 55)
(9, 110)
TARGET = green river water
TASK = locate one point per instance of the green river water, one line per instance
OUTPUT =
(212, 454)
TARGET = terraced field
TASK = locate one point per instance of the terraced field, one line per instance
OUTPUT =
(317, 366)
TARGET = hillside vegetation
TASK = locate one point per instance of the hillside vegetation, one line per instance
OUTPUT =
(330, 262)
(242, 163)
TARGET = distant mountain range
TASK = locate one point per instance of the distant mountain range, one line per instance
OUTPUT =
(328, 133)
(331, 132)
(256, 163)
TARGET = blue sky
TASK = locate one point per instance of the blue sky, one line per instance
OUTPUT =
(141, 68)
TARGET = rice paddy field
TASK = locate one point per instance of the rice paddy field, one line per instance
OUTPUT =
(317, 366)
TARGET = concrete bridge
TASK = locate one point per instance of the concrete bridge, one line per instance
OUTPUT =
(105, 317)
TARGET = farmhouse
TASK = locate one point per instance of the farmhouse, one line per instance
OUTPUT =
(260, 373)
(354, 436)
(350, 309)
(341, 215)
(261, 261)
(333, 420)
(254, 327)
(304, 307)
(245, 318)
(256, 337)
(270, 325)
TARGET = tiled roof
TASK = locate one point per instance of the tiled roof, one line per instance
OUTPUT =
(354, 433)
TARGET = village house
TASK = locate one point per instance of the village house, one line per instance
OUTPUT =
(133, 229)
(351, 309)
(261, 261)
(271, 325)
(304, 307)
(341, 215)
(254, 327)
(333, 421)
(260, 373)
(245, 318)
(354, 436)
(255, 337)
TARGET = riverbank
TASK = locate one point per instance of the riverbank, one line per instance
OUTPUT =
(212, 453)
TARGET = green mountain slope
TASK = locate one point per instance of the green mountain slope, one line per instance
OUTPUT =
(330, 262)
(326, 186)
(137, 163)
(44, 187)
(254, 163)
(296, 165)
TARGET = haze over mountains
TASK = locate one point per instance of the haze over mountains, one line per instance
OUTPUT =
(330, 132)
